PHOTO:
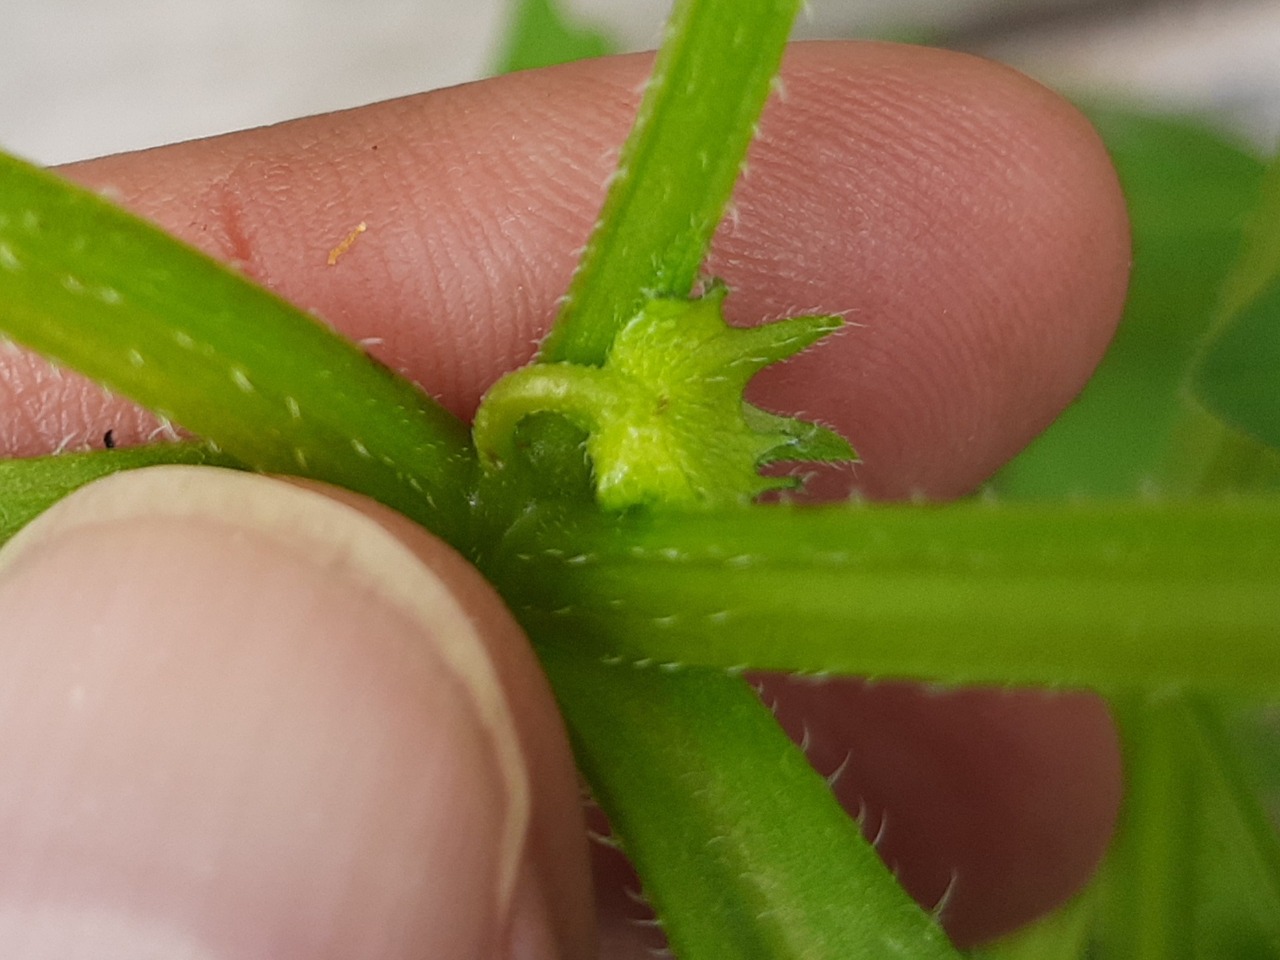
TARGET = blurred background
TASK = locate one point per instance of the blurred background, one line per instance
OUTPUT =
(80, 78)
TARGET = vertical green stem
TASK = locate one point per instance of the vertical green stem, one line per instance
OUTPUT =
(740, 844)
(1150, 885)
(677, 169)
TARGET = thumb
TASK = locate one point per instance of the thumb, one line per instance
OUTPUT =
(241, 718)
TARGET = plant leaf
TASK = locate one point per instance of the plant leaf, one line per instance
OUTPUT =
(1238, 377)
(1238, 913)
(1258, 267)
(1194, 871)
(117, 299)
(1238, 374)
(1062, 935)
(541, 34)
(1132, 429)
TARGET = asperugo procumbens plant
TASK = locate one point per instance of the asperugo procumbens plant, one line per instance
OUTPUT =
(643, 570)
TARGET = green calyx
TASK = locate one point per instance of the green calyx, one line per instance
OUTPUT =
(665, 419)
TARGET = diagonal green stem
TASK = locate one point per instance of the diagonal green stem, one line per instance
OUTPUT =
(1067, 595)
(745, 853)
(677, 169)
(101, 291)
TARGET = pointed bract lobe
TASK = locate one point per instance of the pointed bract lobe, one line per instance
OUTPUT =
(665, 418)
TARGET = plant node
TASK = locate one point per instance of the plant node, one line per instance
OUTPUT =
(665, 419)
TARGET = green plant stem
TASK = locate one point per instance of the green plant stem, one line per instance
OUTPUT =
(677, 169)
(745, 853)
(29, 487)
(101, 291)
(1150, 887)
(1098, 595)
(740, 845)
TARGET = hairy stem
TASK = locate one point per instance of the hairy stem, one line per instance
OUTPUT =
(99, 290)
(744, 852)
(677, 169)
(29, 487)
(1098, 595)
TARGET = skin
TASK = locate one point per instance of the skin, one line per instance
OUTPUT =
(964, 219)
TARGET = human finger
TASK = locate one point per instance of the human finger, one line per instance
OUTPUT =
(965, 221)
(242, 718)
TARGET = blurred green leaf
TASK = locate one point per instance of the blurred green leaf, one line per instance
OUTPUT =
(1062, 935)
(540, 34)
(1237, 908)
(1189, 193)
(1238, 376)
(1258, 269)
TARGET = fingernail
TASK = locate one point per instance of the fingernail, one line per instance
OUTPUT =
(240, 715)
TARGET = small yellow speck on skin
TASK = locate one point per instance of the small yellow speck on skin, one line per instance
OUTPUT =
(336, 253)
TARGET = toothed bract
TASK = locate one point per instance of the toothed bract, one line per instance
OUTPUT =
(665, 418)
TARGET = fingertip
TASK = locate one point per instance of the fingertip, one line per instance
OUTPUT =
(553, 885)
(261, 726)
(968, 225)
(963, 219)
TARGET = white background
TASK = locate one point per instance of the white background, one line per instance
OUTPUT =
(85, 77)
